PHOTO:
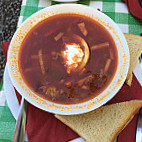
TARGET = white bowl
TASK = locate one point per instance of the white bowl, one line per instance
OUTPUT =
(99, 100)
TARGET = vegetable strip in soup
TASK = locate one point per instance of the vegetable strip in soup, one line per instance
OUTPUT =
(68, 59)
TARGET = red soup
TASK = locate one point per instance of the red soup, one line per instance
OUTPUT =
(68, 59)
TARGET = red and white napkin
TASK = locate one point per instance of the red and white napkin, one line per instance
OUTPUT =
(135, 8)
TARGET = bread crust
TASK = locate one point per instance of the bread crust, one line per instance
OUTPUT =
(132, 35)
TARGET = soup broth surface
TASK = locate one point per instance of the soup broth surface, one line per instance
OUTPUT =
(52, 53)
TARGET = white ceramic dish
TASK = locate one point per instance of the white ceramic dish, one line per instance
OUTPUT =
(105, 96)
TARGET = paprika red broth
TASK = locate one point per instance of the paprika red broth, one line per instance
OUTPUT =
(68, 58)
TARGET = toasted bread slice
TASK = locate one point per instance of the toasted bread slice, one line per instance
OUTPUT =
(129, 79)
(135, 47)
(103, 124)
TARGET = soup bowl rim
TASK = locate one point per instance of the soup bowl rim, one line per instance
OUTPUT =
(99, 100)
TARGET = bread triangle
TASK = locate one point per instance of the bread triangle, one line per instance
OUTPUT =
(103, 124)
(135, 47)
